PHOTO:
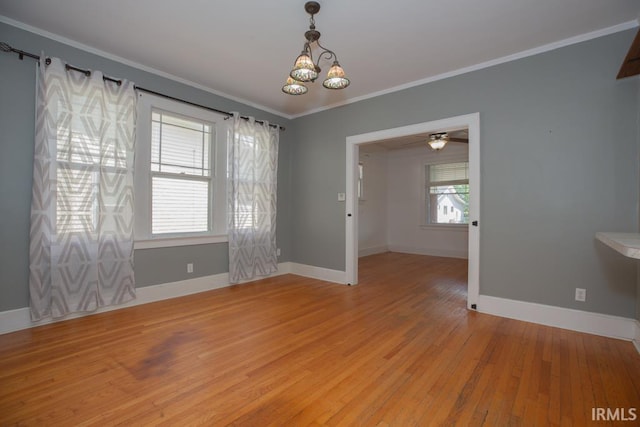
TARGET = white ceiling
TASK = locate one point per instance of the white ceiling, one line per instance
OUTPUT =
(245, 49)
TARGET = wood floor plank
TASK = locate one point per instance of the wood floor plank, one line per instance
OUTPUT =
(399, 349)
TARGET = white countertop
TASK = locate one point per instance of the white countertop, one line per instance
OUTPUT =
(628, 244)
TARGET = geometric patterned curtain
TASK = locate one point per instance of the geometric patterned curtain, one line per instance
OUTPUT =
(252, 188)
(81, 237)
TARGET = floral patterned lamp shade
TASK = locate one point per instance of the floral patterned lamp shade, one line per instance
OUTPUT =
(294, 87)
(335, 78)
(304, 70)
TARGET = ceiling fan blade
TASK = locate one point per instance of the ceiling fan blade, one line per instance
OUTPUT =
(465, 141)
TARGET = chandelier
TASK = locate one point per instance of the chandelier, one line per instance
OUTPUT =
(437, 141)
(305, 70)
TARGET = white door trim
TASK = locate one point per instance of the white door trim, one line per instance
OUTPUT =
(469, 121)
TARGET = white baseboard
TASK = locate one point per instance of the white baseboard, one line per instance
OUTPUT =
(372, 250)
(565, 318)
(321, 273)
(15, 320)
(429, 251)
(576, 320)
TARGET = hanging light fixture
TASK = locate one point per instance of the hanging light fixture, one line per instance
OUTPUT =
(305, 70)
(437, 141)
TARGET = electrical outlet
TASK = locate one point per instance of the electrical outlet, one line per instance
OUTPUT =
(342, 197)
(190, 267)
(581, 294)
(278, 252)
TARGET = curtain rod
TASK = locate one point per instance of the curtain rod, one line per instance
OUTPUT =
(4, 47)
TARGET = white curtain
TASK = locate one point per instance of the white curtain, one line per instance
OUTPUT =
(252, 185)
(81, 243)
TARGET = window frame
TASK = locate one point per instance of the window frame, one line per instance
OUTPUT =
(426, 188)
(217, 212)
(360, 186)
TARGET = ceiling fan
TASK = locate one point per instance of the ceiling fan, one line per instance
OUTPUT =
(437, 141)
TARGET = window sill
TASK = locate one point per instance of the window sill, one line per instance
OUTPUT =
(443, 227)
(168, 242)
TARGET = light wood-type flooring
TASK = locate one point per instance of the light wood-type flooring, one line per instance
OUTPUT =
(400, 349)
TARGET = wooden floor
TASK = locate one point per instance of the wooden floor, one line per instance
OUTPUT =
(400, 349)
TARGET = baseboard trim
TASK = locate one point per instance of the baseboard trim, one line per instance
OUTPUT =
(429, 251)
(321, 273)
(18, 319)
(372, 250)
(565, 318)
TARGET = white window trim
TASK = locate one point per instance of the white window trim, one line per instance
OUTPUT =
(168, 242)
(424, 222)
(142, 178)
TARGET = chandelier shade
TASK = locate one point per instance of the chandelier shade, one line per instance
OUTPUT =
(335, 77)
(294, 87)
(305, 69)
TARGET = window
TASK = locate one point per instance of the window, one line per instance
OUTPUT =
(77, 175)
(360, 181)
(181, 179)
(245, 218)
(180, 172)
(84, 155)
(447, 193)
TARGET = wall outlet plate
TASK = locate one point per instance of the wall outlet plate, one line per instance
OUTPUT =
(342, 197)
(581, 294)
(190, 267)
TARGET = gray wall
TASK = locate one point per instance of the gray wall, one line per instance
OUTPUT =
(17, 94)
(559, 162)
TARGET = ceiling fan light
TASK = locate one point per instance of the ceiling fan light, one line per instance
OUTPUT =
(294, 87)
(437, 145)
(335, 78)
(304, 70)
(437, 141)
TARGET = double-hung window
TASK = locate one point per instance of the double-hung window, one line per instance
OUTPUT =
(447, 193)
(180, 173)
(181, 178)
(78, 162)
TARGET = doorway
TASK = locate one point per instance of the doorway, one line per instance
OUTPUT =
(469, 121)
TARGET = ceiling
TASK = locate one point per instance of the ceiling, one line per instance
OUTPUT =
(245, 49)
(456, 136)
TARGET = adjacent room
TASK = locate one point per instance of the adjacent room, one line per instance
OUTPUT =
(413, 198)
(428, 215)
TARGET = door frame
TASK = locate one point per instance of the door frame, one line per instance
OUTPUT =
(469, 121)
